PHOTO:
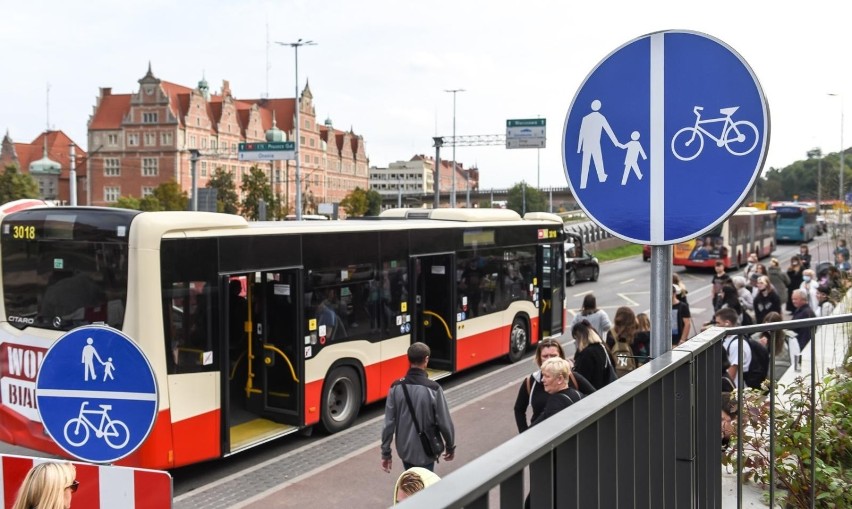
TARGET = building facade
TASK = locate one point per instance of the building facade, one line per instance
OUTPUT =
(417, 177)
(140, 140)
(48, 160)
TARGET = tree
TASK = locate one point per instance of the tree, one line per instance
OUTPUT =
(523, 198)
(227, 200)
(127, 202)
(15, 185)
(374, 199)
(256, 187)
(357, 203)
(170, 197)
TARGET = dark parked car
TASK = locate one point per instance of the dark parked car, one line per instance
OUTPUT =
(646, 253)
(580, 265)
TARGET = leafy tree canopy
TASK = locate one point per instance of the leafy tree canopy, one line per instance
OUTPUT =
(16, 186)
(360, 202)
(256, 187)
(227, 199)
(523, 198)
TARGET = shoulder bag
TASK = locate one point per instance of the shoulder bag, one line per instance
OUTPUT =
(433, 444)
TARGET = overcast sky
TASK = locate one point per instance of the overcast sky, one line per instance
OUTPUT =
(381, 66)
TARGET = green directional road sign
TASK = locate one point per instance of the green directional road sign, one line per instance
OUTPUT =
(526, 133)
(277, 151)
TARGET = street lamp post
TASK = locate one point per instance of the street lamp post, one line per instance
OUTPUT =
(453, 193)
(298, 139)
(817, 152)
(842, 190)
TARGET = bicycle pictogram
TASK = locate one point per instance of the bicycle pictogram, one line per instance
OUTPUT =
(114, 432)
(738, 137)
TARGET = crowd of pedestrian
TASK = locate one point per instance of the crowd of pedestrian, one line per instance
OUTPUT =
(416, 411)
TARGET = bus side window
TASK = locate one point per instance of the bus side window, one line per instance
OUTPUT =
(188, 327)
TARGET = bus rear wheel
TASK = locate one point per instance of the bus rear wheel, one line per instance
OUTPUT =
(518, 340)
(341, 399)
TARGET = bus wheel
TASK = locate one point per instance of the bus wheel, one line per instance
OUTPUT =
(518, 339)
(341, 399)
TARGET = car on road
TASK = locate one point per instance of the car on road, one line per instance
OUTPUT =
(822, 225)
(580, 265)
(646, 253)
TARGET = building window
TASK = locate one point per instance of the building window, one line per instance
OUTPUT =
(233, 147)
(198, 121)
(307, 123)
(112, 194)
(311, 140)
(165, 138)
(192, 142)
(112, 139)
(147, 191)
(112, 167)
(150, 139)
(149, 118)
(301, 140)
(133, 140)
(214, 144)
(149, 167)
(203, 168)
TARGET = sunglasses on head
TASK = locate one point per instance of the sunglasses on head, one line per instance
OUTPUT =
(74, 485)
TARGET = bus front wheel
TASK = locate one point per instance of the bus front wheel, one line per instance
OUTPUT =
(518, 339)
(341, 399)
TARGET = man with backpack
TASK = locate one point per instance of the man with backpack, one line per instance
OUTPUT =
(755, 357)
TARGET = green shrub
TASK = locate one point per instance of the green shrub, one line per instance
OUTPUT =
(833, 483)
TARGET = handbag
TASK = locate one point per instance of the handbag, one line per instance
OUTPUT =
(611, 375)
(433, 444)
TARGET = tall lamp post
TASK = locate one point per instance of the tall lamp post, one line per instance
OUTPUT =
(453, 193)
(298, 153)
(817, 152)
(842, 166)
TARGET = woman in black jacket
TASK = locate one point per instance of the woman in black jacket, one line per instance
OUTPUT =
(531, 393)
(592, 359)
(766, 300)
(555, 376)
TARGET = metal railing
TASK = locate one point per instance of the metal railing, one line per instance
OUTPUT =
(649, 440)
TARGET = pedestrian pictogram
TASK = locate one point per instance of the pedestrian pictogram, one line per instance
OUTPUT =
(96, 394)
(682, 119)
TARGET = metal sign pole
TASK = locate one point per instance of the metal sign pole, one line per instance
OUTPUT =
(661, 300)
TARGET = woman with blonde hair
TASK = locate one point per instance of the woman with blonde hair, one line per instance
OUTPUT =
(592, 359)
(48, 485)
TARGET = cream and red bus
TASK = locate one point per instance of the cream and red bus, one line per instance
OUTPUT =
(258, 329)
(748, 230)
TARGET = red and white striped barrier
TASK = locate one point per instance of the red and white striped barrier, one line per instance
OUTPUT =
(101, 487)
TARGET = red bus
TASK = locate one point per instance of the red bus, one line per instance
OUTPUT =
(257, 330)
(748, 230)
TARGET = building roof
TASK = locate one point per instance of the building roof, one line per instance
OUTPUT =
(58, 151)
(110, 111)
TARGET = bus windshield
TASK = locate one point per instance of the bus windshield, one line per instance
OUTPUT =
(789, 212)
(62, 270)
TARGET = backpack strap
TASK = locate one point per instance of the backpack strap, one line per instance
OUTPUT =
(529, 385)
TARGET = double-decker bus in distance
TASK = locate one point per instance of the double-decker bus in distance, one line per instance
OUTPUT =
(748, 230)
(256, 330)
(797, 221)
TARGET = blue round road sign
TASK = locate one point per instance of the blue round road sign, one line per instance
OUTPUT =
(665, 137)
(96, 394)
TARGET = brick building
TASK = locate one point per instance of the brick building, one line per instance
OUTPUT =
(417, 176)
(48, 160)
(140, 140)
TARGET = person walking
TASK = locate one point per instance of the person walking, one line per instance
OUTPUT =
(431, 415)
(805, 256)
(592, 358)
(555, 374)
(681, 319)
(48, 485)
(531, 394)
(794, 274)
(802, 311)
(590, 313)
(779, 279)
(826, 305)
(626, 330)
(766, 300)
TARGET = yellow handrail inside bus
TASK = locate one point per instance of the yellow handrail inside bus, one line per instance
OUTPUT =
(282, 354)
(446, 327)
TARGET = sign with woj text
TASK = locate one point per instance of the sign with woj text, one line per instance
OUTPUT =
(526, 133)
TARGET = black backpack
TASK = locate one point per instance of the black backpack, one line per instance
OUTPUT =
(758, 369)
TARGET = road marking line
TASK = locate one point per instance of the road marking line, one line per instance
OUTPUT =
(582, 293)
(628, 281)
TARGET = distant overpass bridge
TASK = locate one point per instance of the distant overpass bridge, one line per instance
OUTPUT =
(557, 197)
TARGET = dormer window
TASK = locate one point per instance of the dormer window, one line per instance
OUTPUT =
(149, 118)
